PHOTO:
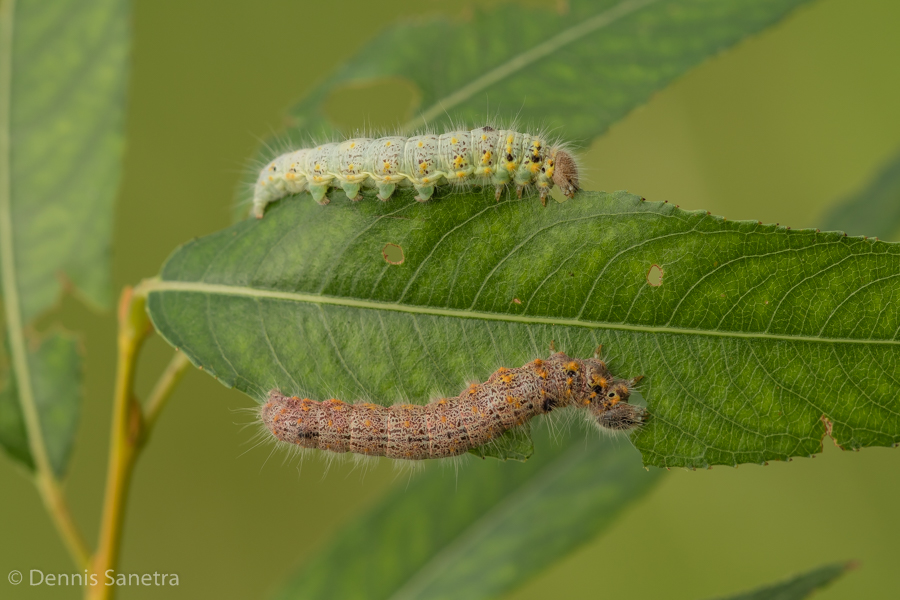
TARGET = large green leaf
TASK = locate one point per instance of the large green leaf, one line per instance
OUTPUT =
(758, 340)
(577, 71)
(874, 210)
(63, 67)
(799, 587)
(482, 532)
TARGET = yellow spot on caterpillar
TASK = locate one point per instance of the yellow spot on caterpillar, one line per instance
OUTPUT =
(483, 137)
(443, 419)
(271, 178)
(543, 373)
(454, 141)
(538, 362)
(569, 381)
(299, 421)
(351, 166)
(442, 401)
(388, 143)
(535, 167)
(572, 366)
(387, 167)
(423, 167)
(475, 410)
(509, 139)
(420, 144)
(353, 144)
(406, 423)
(586, 402)
(262, 183)
(330, 423)
(368, 423)
(318, 167)
(507, 378)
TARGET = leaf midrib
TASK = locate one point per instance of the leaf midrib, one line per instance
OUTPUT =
(517, 63)
(157, 285)
(12, 306)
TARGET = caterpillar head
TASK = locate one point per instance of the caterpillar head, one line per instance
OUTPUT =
(609, 399)
(565, 173)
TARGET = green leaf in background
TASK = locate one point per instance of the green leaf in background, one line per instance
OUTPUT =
(483, 532)
(801, 586)
(873, 211)
(758, 341)
(578, 70)
(63, 66)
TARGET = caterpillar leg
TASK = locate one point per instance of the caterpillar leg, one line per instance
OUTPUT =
(352, 191)
(318, 193)
(544, 192)
(385, 190)
(259, 209)
(519, 190)
(425, 193)
(498, 191)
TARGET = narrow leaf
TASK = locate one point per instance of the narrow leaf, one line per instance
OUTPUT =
(758, 341)
(801, 586)
(482, 532)
(62, 97)
(577, 70)
(874, 210)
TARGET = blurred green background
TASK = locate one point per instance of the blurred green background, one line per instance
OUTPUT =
(778, 129)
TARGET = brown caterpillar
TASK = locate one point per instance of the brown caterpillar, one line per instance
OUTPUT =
(452, 426)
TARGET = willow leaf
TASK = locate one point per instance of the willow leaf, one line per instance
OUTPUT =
(758, 341)
(578, 70)
(62, 101)
(799, 587)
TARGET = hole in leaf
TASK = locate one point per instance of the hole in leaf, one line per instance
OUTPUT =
(655, 276)
(393, 254)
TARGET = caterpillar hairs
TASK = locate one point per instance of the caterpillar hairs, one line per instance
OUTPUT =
(483, 156)
(451, 426)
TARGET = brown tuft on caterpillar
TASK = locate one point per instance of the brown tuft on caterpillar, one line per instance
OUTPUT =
(452, 426)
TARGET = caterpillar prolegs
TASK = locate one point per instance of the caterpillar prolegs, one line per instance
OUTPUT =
(483, 156)
(451, 426)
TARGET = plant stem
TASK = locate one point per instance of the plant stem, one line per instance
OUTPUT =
(58, 509)
(125, 439)
(131, 428)
(163, 391)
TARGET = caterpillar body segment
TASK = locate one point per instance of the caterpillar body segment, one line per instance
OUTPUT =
(452, 426)
(483, 156)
